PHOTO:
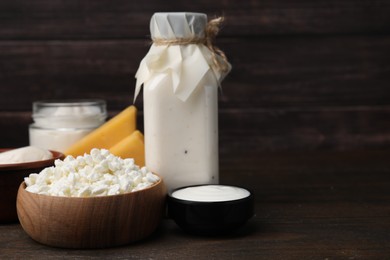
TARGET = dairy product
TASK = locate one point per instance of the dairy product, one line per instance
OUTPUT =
(25, 154)
(99, 173)
(108, 134)
(131, 146)
(181, 138)
(211, 193)
(59, 124)
(180, 90)
(56, 140)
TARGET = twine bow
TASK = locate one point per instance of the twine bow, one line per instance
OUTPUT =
(219, 58)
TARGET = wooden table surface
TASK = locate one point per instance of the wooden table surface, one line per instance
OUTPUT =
(309, 205)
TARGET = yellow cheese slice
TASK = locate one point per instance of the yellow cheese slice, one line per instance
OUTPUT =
(131, 147)
(108, 134)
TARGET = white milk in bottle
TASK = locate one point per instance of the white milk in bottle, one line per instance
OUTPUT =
(180, 75)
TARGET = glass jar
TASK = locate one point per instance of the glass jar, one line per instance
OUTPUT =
(60, 123)
(180, 91)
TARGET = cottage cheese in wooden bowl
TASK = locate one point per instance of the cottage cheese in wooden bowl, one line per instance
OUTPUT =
(93, 201)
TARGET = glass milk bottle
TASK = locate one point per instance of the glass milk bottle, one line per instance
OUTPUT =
(180, 76)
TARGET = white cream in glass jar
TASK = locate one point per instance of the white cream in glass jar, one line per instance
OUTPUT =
(180, 94)
(60, 123)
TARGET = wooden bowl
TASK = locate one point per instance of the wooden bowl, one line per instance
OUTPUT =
(11, 175)
(92, 222)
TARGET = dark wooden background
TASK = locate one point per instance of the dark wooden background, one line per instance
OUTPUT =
(310, 78)
(307, 75)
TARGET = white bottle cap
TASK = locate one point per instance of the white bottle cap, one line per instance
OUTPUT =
(177, 25)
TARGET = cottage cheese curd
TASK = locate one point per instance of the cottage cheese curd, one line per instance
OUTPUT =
(99, 173)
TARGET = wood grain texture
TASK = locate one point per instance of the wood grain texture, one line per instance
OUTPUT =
(93, 222)
(307, 76)
(302, 66)
(309, 205)
(75, 19)
(275, 72)
(337, 128)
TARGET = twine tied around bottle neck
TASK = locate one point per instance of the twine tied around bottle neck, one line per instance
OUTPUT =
(211, 31)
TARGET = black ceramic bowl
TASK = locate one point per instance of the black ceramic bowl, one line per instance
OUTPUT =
(210, 217)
